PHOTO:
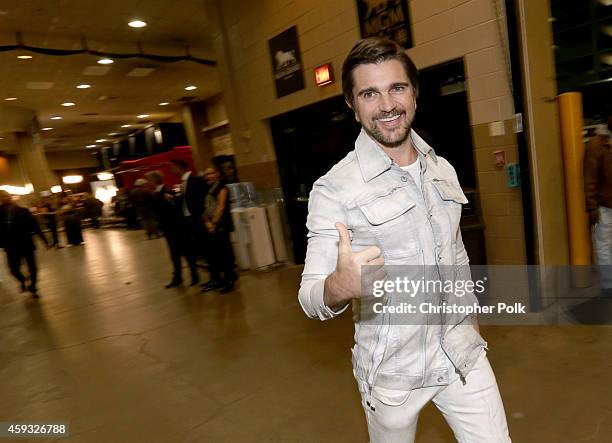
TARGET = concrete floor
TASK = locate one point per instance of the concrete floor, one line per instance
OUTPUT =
(107, 349)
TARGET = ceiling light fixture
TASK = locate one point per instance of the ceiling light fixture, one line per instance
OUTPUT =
(46, 129)
(56, 117)
(106, 61)
(101, 140)
(143, 116)
(24, 57)
(10, 99)
(83, 86)
(191, 88)
(137, 24)
(112, 134)
(91, 146)
(164, 104)
(68, 104)
(72, 179)
(126, 126)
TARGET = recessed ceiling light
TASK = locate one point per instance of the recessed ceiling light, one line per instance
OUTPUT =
(137, 24)
(68, 104)
(91, 146)
(83, 86)
(112, 134)
(10, 99)
(46, 129)
(56, 117)
(164, 104)
(143, 116)
(101, 140)
(191, 88)
(126, 126)
(24, 57)
(106, 61)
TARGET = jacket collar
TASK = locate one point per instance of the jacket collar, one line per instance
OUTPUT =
(373, 161)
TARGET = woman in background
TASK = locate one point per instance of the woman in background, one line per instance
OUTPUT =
(72, 213)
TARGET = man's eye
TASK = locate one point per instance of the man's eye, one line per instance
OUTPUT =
(398, 88)
(368, 94)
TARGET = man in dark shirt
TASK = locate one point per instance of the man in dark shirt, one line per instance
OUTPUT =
(16, 227)
(168, 214)
(190, 205)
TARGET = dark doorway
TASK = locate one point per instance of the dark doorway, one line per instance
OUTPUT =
(442, 117)
(308, 142)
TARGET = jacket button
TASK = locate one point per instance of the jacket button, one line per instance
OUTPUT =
(440, 379)
(404, 178)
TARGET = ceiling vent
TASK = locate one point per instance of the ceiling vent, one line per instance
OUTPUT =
(96, 70)
(140, 72)
(39, 85)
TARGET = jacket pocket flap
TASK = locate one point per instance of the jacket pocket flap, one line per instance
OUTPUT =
(384, 208)
(450, 191)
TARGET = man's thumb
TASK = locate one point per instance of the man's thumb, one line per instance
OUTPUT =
(344, 245)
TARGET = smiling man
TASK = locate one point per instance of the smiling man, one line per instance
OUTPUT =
(392, 201)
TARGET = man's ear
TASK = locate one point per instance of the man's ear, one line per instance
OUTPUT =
(352, 109)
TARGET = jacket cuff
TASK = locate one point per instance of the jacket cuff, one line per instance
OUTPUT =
(318, 303)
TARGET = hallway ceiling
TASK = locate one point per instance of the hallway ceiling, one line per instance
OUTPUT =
(117, 93)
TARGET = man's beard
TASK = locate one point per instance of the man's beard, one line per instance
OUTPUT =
(399, 136)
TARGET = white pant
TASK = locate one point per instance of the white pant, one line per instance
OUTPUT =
(602, 237)
(474, 411)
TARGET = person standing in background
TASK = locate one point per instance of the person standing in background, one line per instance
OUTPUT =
(92, 210)
(142, 199)
(72, 213)
(48, 212)
(598, 194)
(168, 219)
(16, 227)
(190, 204)
(218, 222)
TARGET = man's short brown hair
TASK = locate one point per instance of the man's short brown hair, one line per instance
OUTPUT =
(375, 50)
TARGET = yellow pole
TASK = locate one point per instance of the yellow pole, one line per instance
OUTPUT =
(570, 113)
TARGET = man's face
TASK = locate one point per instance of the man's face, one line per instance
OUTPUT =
(212, 177)
(384, 102)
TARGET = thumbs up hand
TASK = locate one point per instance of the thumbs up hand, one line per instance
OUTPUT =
(344, 283)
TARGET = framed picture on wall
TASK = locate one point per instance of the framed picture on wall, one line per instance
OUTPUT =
(385, 18)
(286, 62)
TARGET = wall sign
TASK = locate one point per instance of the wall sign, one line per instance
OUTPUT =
(324, 74)
(385, 18)
(286, 62)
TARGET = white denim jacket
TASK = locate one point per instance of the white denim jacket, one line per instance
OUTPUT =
(413, 224)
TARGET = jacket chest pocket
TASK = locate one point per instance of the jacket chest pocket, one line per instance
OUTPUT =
(390, 222)
(451, 198)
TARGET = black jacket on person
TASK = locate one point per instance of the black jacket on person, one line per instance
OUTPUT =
(17, 225)
(194, 197)
(166, 211)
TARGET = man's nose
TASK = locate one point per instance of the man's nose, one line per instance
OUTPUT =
(386, 103)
